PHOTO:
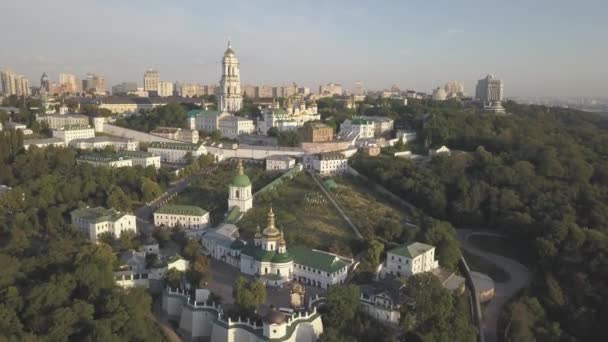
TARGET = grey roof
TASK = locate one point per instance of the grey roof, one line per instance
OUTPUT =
(102, 138)
(222, 235)
(41, 141)
(280, 158)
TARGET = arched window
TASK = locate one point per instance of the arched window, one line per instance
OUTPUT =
(237, 193)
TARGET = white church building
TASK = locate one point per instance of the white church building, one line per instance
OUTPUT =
(267, 256)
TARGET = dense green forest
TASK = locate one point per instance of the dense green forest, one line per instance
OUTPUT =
(54, 285)
(539, 175)
(170, 115)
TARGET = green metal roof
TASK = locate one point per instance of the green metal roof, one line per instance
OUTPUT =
(173, 209)
(174, 146)
(412, 250)
(241, 181)
(233, 215)
(97, 215)
(269, 256)
(199, 112)
(316, 259)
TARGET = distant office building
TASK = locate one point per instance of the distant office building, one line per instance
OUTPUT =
(489, 92)
(265, 91)
(190, 90)
(70, 83)
(164, 89)
(151, 80)
(250, 91)
(359, 88)
(44, 82)
(95, 84)
(330, 89)
(13, 84)
(489, 89)
(439, 94)
(124, 88)
(454, 89)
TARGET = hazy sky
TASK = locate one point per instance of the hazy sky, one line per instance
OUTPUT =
(538, 47)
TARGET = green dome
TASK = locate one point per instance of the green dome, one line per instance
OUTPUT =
(241, 181)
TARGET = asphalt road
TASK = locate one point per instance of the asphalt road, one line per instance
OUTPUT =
(520, 277)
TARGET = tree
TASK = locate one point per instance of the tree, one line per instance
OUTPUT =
(162, 235)
(374, 252)
(198, 274)
(173, 278)
(150, 190)
(118, 200)
(128, 240)
(343, 304)
(248, 296)
(191, 250)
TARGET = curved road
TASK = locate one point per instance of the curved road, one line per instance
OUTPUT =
(519, 275)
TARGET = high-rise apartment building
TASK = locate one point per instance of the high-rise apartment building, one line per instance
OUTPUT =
(330, 89)
(359, 88)
(94, 83)
(124, 88)
(190, 90)
(13, 84)
(164, 89)
(151, 80)
(70, 83)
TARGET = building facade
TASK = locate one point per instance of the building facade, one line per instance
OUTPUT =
(101, 142)
(111, 160)
(141, 158)
(96, 221)
(71, 132)
(489, 92)
(187, 216)
(175, 152)
(364, 129)
(231, 98)
(164, 89)
(57, 121)
(42, 143)
(409, 260)
(326, 164)
(279, 163)
(317, 132)
(175, 133)
(14, 84)
(151, 80)
(291, 116)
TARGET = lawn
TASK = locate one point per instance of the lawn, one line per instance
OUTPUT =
(210, 192)
(373, 213)
(304, 214)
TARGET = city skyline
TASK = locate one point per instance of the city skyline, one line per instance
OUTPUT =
(417, 48)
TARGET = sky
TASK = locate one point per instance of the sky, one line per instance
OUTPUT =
(537, 47)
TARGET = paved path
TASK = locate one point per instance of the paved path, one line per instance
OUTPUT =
(144, 213)
(336, 205)
(519, 275)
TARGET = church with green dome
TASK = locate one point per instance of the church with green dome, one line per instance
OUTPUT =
(240, 191)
